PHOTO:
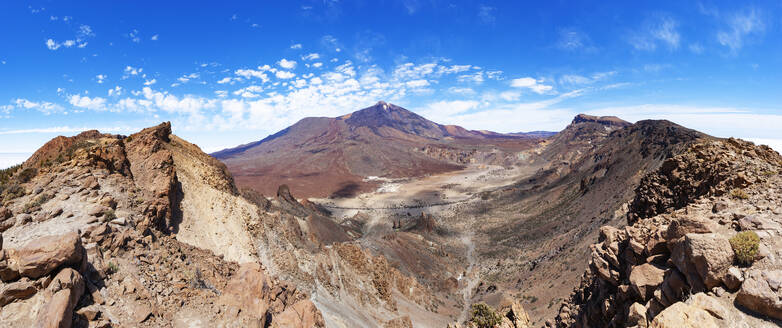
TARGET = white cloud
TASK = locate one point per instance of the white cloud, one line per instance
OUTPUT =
(311, 57)
(100, 78)
(154, 37)
(441, 109)
(41, 106)
(251, 73)
(52, 45)
(572, 39)
(476, 77)
(150, 82)
(331, 43)
(286, 64)
(117, 91)
(187, 77)
(576, 79)
(96, 103)
(659, 29)
(417, 83)
(224, 80)
(296, 46)
(284, 75)
(133, 36)
(317, 65)
(130, 70)
(532, 84)
(741, 25)
(462, 91)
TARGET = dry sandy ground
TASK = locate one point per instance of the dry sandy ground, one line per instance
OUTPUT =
(433, 194)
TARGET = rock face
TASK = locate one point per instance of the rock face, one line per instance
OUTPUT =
(704, 259)
(681, 315)
(153, 172)
(645, 279)
(65, 289)
(761, 293)
(40, 257)
(93, 243)
(656, 269)
(704, 170)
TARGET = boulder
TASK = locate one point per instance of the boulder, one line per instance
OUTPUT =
(5, 213)
(401, 322)
(680, 227)
(18, 290)
(248, 290)
(65, 289)
(303, 314)
(704, 259)
(709, 304)
(645, 278)
(515, 313)
(681, 315)
(43, 255)
(636, 315)
(758, 295)
(733, 278)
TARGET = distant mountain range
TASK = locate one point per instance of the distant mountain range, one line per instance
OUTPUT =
(320, 156)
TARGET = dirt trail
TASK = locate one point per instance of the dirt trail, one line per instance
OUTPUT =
(469, 276)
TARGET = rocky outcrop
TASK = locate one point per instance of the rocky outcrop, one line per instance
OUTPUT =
(681, 315)
(604, 120)
(256, 295)
(671, 265)
(63, 293)
(705, 169)
(41, 257)
(761, 292)
(704, 259)
(153, 172)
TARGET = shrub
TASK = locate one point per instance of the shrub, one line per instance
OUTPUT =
(483, 316)
(109, 215)
(112, 268)
(740, 194)
(26, 174)
(36, 203)
(745, 244)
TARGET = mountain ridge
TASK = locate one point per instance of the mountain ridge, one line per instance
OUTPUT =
(379, 140)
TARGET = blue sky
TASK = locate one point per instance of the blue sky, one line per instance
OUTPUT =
(231, 72)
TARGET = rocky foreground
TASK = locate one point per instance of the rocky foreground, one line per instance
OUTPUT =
(89, 239)
(703, 247)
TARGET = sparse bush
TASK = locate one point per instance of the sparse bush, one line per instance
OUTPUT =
(26, 174)
(745, 244)
(109, 215)
(112, 268)
(36, 203)
(738, 193)
(483, 316)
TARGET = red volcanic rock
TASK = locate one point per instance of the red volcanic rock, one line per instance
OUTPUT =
(321, 156)
(153, 172)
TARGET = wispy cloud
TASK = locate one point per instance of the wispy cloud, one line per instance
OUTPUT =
(535, 85)
(572, 39)
(486, 14)
(659, 29)
(740, 26)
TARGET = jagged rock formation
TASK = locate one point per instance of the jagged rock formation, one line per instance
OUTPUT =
(145, 230)
(674, 265)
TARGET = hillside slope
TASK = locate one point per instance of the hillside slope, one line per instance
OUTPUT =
(320, 157)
